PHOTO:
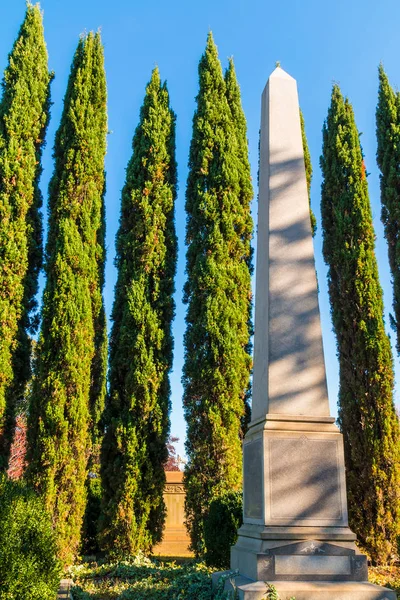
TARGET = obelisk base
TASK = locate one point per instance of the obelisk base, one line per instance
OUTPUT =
(246, 589)
(295, 533)
(308, 560)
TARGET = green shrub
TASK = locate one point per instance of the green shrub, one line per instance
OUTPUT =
(220, 529)
(90, 544)
(29, 569)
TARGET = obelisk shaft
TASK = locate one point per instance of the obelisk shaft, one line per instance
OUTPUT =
(289, 369)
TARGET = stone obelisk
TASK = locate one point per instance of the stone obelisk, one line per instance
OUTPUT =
(295, 532)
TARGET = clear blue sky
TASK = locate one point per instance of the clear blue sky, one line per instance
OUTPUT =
(316, 42)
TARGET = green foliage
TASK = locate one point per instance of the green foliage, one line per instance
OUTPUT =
(137, 412)
(388, 158)
(24, 114)
(29, 569)
(140, 578)
(272, 593)
(366, 410)
(308, 167)
(246, 196)
(218, 294)
(92, 514)
(98, 373)
(61, 407)
(388, 577)
(220, 529)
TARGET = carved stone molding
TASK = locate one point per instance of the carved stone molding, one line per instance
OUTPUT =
(174, 488)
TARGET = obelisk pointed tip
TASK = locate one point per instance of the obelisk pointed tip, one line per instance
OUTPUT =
(278, 72)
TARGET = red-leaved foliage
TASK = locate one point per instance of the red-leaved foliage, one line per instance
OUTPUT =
(17, 461)
(172, 463)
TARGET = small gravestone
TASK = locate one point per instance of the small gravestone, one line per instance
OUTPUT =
(295, 531)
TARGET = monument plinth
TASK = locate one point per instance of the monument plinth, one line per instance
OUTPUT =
(176, 540)
(295, 531)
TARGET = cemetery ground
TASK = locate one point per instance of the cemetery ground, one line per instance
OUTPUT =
(143, 578)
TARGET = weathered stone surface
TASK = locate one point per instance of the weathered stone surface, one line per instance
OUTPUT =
(253, 479)
(315, 566)
(309, 590)
(175, 540)
(292, 440)
(317, 590)
(311, 560)
(305, 482)
(289, 370)
(299, 476)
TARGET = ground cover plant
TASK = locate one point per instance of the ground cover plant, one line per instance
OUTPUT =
(142, 578)
(387, 576)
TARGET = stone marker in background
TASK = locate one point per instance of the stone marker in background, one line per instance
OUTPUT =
(295, 533)
(175, 540)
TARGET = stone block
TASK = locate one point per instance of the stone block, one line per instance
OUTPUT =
(175, 540)
(246, 589)
(310, 560)
(253, 484)
(294, 477)
(312, 590)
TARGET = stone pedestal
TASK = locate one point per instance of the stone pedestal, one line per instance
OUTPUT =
(175, 540)
(295, 507)
(246, 589)
(295, 531)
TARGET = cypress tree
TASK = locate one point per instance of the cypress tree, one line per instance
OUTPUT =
(24, 114)
(367, 414)
(98, 372)
(137, 409)
(308, 167)
(246, 196)
(388, 159)
(217, 292)
(59, 441)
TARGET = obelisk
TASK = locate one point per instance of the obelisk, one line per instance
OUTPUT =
(295, 532)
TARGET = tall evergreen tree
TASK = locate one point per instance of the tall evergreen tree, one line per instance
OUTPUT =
(98, 372)
(367, 414)
(24, 114)
(388, 159)
(217, 292)
(137, 410)
(60, 413)
(308, 167)
(246, 196)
